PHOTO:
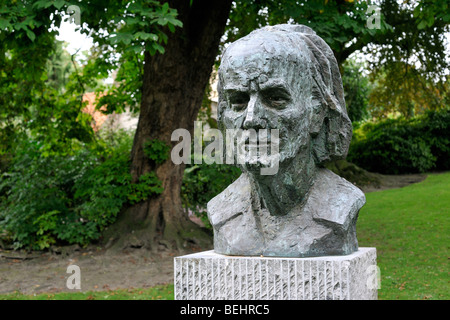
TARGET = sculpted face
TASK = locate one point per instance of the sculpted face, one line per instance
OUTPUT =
(267, 88)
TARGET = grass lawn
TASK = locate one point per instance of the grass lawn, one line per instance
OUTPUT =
(154, 293)
(408, 226)
(410, 229)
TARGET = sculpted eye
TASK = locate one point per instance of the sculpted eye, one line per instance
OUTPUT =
(276, 97)
(277, 101)
(239, 100)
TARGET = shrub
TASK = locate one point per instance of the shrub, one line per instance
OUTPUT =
(356, 89)
(68, 198)
(37, 195)
(396, 146)
(437, 127)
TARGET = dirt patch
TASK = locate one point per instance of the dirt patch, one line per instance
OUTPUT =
(370, 181)
(391, 182)
(38, 272)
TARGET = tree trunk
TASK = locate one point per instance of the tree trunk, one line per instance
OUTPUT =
(173, 88)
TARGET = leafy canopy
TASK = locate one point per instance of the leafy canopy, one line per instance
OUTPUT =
(33, 105)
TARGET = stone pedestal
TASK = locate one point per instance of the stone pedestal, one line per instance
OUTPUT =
(208, 276)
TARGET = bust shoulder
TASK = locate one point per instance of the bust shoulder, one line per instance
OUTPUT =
(323, 225)
(234, 200)
(333, 199)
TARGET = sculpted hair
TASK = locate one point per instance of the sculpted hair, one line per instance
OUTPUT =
(330, 128)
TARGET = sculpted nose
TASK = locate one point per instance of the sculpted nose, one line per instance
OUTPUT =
(253, 118)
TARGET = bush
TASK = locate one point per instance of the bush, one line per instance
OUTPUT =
(356, 89)
(396, 146)
(37, 193)
(68, 198)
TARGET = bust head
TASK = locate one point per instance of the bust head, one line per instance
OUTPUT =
(285, 77)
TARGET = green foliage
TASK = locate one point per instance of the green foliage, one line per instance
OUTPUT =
(124, 31)
(356, 89)
(68, 198)
(428, 11)
(60, 183)
(33, 70)
(402, 89)
(59, 67)
(36, 194)
(138, 20)
(395, 146)
(127, 92)
(203, 182)
(100, 193)
(41, 94)
(156, 150)
(409, 67)
(410, 38)
(339, 23)
(148, 184)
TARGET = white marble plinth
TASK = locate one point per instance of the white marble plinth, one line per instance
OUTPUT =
(208, 276)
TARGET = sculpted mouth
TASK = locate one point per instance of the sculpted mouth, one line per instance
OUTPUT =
(259, 135)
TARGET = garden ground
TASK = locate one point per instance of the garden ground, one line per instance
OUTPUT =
(37, 272)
